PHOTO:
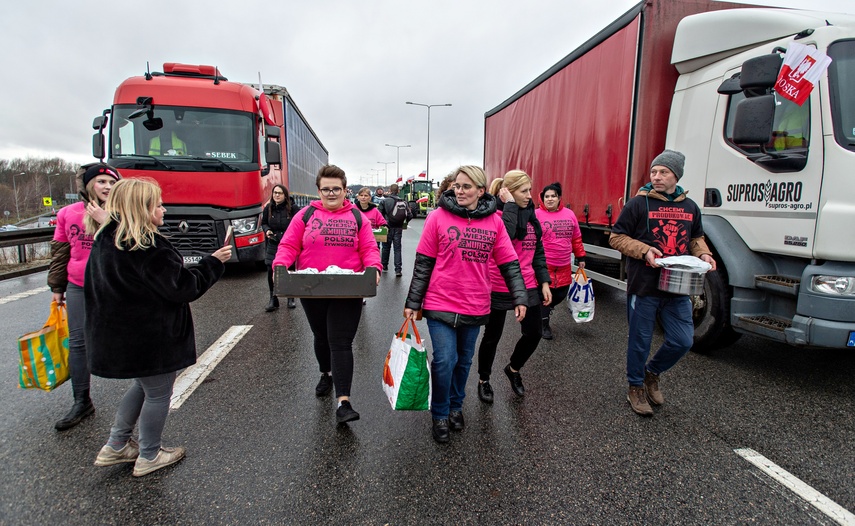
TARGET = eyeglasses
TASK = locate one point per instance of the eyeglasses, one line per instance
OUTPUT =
(465, 186)
(278, 193)
(332, 191)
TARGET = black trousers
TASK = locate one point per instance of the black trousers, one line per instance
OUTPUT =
(334, 322)
(531, 329)
(393, 240)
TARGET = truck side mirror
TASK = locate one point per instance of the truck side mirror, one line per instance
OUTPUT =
(273, 131)
(752, 126)
(760, 73)
(99, 123)
(273, 154)
(754, 119)
(98, 145)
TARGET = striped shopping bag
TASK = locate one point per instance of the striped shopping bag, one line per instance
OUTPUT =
(44, 353)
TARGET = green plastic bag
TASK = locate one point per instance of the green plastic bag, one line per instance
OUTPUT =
(406, 373)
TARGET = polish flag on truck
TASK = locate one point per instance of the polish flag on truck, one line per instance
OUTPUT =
(800, 72)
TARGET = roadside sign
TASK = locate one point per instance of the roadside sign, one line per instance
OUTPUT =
(47, 201)
(71, 197)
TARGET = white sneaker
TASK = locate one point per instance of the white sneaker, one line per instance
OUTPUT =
(109, 456)
(165, 457)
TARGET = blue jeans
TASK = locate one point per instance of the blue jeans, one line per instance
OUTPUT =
(453, 348)
(675, 314)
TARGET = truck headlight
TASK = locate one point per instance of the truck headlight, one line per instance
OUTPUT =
(246, 225)
(835, 285)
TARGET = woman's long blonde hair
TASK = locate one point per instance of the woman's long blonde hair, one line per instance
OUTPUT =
(131, 205)
(512, 180)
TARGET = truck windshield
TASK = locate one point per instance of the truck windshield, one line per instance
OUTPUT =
(185, 134)
(841, 81)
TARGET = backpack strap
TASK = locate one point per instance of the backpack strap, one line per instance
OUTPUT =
(311, 210)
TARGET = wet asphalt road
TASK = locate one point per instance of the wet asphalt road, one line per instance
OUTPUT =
(262, 449)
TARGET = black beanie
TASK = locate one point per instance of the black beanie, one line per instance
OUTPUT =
(97, 169)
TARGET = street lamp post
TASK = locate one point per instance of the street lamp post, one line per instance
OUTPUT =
(15, 186)
(398, 159)
(385, 164)
(375, 176)
(428, 106)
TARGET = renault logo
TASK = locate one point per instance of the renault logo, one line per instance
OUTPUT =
(183, 227)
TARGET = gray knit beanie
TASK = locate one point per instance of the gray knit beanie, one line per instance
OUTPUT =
(671, 160)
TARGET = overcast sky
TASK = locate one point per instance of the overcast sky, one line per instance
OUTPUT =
(350, 65)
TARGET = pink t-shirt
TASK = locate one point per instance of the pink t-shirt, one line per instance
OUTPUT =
(70, 229)
(559, 230)
(524, 249)
(330, 238)
(374, 216)
(464, 250)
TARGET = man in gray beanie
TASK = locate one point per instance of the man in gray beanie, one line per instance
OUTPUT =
(659, 221)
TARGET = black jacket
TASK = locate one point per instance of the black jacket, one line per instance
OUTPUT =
(138, 320)
(276, 218)
(516, 222)
(424, 267)
(386, 210)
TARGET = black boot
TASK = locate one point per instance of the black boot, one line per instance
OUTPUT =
(547, 330)
(291, 303)
(81, 409)
(272, 305)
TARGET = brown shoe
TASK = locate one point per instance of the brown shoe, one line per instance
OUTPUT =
(651, 388)
(638, 401)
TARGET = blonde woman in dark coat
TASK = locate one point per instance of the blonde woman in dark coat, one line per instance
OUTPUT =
(138, 322)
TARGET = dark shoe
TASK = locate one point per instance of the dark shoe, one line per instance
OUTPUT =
(638, 400)
(398, 274)
(440, 430)
(485, 392)
(272, 305)
(651, 388)
(455, 420)
(385, 268)
(81, 409)
(324, 386)
(547, 330)
(516, 381)
(345, 413)
(291, 303)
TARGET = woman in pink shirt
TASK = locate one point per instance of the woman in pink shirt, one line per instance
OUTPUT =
(561, 237)
(451, 286)
(326, 233)
(369, 209)
(517, 212)
(72, 241)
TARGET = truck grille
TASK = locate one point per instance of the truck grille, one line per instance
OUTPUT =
(198, 236)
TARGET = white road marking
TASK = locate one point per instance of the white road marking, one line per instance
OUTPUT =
(189, 380)
(22, 295)
(837, 513)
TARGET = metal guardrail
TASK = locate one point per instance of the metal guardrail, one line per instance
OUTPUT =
(25, 236)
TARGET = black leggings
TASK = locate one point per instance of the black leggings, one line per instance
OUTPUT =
(531, 328)
(270, 278)
(334, 322)
(558, 295)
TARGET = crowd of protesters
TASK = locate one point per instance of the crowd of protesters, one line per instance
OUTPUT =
(127, 288)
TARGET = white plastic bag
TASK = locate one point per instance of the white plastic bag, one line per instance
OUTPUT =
(580, 298)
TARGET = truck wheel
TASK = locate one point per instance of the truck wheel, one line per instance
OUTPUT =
(711, 314)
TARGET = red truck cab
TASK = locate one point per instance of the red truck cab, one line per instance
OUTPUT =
(209, 143)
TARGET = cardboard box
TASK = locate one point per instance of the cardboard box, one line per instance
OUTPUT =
(381, 234)
(292, 285)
